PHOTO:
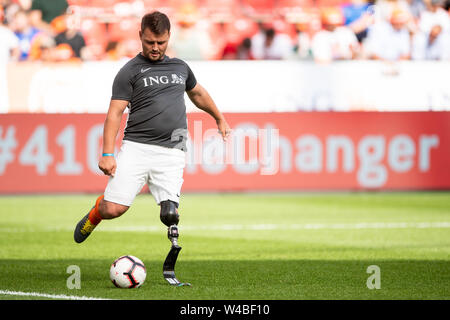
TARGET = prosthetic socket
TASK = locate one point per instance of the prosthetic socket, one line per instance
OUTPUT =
(170, 217)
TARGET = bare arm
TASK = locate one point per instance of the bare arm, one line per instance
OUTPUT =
(111, 128)
(202, 100)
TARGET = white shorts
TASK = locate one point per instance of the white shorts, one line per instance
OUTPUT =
(138, 163)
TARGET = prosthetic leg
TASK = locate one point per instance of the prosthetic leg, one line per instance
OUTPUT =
(170, 217)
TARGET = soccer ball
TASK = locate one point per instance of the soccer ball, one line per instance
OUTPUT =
(127, 272)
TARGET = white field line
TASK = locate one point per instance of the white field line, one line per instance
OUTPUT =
(45, 295)
(311, 226)
(251, 227)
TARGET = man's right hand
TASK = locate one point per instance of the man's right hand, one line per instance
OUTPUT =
(108, 165)
(112, 123)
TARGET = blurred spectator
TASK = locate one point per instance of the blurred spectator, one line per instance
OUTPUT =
(189, 39)
(24, 32)
(11, 7)
(9, 43)
(389, 40)
(244, 50)
(25, 4)
(335, 41)
(307, 25)
(354, 9)
(44, 11)
(416, 7)
(63, 52)
(225, 42)
(68, 33)
(45, 49)
(229, 52)
(270, 45)
(14, 6)
(434, 45)
(231, 37)
(9, 50)
(359, 16)
(42, 48)
(434, 15)
(112, 51)
(385, 8)
(195, 36)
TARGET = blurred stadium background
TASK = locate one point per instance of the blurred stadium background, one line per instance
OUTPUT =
(280, 64)
(355, 92)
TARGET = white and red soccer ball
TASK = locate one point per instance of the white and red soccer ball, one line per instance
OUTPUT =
(127, 272)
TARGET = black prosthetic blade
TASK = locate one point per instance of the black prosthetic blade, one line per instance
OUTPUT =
(169, 267)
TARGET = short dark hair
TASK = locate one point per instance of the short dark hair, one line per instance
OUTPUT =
(156, 21)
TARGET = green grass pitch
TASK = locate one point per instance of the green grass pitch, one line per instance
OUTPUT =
(262, 246)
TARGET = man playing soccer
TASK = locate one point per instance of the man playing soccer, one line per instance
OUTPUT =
(152, 86)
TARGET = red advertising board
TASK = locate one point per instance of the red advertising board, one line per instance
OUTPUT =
(267, 151)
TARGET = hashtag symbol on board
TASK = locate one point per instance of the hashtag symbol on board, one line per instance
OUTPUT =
(7, 145)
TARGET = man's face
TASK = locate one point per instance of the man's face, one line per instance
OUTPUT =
(398, 25)
(154, 46)
(330, 26)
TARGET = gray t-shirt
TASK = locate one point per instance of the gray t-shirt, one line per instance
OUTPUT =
(155, 92)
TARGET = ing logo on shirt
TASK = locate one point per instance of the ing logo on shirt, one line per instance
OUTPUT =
(173, 79)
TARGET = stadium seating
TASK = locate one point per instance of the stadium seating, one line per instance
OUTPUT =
(80, 3)
(329, 3)
(151, 5)
(259, 9)
(101, 3)
(220, 10)
(105, 21)
(286, 5)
